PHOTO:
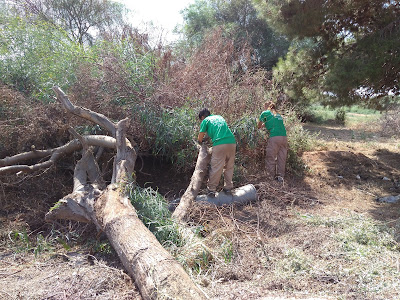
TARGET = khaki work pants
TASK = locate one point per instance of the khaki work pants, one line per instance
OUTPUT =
(222, 160)
(276, 154)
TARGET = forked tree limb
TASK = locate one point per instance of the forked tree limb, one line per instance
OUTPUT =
(125, 159)
(157, 274)
(13, 164)
(85, 113)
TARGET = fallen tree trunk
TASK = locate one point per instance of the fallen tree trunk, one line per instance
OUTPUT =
(193, 189)
(156, 273)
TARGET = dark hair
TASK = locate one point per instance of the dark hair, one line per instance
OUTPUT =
(204, 113)
(270, 105)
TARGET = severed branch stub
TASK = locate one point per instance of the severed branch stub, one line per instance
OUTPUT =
(156, 273)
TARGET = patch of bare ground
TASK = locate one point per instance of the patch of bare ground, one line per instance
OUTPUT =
(322, 235)
(70, 275)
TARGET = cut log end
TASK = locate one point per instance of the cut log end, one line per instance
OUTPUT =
(241, 195)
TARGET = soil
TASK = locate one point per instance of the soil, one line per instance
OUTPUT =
(349, 171)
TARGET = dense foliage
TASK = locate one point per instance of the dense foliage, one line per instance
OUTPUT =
(350, 49)
(35, 56)
(119, 74)
(238, 17)
(83, 20)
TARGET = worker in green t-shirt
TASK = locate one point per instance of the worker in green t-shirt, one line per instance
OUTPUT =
(223, 150)
(277, 145)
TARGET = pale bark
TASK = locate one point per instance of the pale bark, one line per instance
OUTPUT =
(240, 195)
(156, 273)
(85, 113)
(203, 159)
(12, 164)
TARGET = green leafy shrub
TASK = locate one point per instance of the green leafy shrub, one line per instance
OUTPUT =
(171, 134)
(299, 141)
(36, 56)
(152, 209)
(340, 116)
(249, 140)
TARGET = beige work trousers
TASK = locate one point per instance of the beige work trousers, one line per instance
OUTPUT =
(222, 160)
(276, 153)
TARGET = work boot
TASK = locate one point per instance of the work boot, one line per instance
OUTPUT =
(210, 194)
(227, 191)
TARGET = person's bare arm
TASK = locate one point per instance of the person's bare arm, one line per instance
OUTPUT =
(200, 137)
(260, 124)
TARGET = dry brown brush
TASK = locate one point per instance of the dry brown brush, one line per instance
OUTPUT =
(219, 75)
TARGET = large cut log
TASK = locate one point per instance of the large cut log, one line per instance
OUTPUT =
(156, 273)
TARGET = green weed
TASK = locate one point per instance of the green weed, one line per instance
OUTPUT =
(294, 261)
(170, 134)
(23, 243)
(227, 251)
(369, 249)
(152, 209)
(356, 230)
(101, 246)
(202, 262)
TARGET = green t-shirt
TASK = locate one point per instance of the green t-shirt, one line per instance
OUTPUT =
(273, 123)
(217, 129)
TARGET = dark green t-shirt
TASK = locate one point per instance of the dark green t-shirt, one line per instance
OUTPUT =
(217, 129)
(273, 123)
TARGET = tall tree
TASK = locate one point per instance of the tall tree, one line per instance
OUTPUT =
(352, 50)
(240, 18)
(83, 19)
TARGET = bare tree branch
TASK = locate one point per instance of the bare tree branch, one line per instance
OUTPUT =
(11, 165)
(85, 113)
(156, 273)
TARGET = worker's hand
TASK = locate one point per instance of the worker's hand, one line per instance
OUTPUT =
(196, 142)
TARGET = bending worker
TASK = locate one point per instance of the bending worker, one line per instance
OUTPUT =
(277, 145)
(223, 150)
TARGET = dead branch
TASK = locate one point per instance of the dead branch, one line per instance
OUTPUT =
(85, 113)
(156, 273)
(11, 165)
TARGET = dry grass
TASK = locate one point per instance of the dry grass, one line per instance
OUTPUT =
(73, 275)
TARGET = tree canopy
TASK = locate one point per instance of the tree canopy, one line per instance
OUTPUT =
(240, 18)
(351, 48)
(82, 19)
